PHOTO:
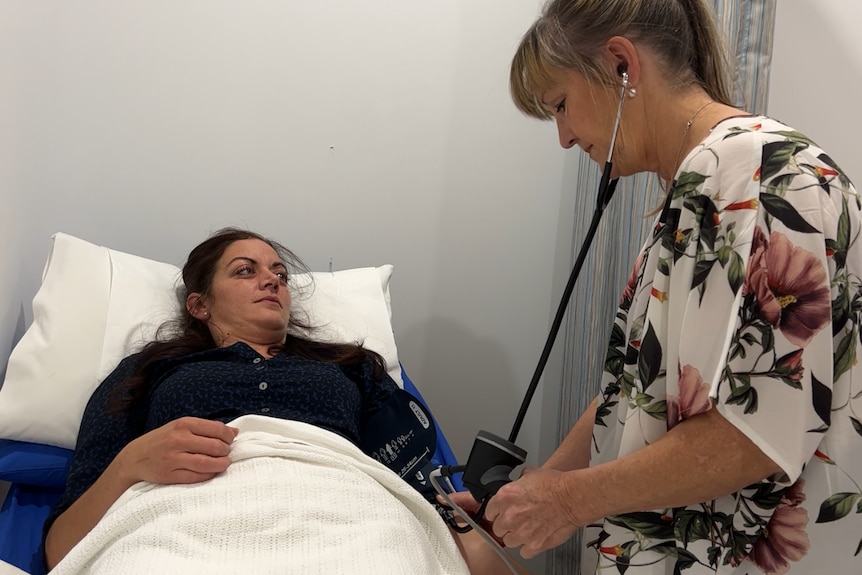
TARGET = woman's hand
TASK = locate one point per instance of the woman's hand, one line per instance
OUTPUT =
(702, 458)
(186, 450)
(536, 512)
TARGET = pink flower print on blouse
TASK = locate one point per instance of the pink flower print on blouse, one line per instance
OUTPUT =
(784, 540)
(693, 397)
(791, 287)
(790, 368)
(631, 283)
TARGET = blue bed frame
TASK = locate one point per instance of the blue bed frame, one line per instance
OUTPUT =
(37, 474)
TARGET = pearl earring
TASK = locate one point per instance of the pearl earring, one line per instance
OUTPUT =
(632, 92)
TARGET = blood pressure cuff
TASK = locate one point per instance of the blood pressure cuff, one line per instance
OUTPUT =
(402, 436)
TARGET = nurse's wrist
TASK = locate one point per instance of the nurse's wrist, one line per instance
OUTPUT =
(583, 504)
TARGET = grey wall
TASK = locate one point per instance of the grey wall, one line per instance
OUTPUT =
(817, 76)
(12, 251)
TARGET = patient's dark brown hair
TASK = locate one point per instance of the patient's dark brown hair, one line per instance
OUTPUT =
(189, 335)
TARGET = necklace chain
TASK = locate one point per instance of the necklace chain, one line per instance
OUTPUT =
(682, 140)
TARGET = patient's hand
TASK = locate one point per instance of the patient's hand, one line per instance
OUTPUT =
(481, 558)
(186, 450)
(465, 501)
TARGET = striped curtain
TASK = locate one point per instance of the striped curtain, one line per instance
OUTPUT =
(748, 30)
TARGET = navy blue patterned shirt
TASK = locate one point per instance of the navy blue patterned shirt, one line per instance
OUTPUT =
(222, 384)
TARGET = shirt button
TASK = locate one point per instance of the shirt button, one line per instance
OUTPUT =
(256, 360)
(263, 385)
(264, 410)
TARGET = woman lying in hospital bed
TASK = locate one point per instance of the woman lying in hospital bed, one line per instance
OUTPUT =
(235, 444)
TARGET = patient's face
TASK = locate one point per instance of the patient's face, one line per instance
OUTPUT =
(249, 300)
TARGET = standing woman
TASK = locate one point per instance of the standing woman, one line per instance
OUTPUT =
(727, 436)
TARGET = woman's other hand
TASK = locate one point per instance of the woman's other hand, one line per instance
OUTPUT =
(186, 450)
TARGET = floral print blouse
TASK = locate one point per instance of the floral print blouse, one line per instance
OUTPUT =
(746, 298)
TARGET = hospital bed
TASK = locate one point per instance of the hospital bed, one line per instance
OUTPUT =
(95, 306)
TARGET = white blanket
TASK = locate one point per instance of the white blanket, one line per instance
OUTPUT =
(7, 569)
(295, 499)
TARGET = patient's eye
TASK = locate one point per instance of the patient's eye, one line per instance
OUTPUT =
(282, 276)
(244, 271)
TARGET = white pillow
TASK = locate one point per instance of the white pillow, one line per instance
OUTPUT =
(97, 305)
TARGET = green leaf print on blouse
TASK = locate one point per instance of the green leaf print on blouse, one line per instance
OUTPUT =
(841, 504)
(776, 157)
(838, 506)
(727, 543)
(843, 180)
(780, 209)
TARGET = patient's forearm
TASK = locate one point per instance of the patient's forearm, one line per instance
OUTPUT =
(480, 556)
(74, 523)
(574, 451)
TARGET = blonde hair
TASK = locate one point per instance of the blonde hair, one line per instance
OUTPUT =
(570, 35)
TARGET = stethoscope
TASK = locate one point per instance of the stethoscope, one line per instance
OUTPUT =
(606, 190)
(492, 458)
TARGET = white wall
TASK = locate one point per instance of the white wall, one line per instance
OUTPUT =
(366, 132)
(12, 238)
(817, 76)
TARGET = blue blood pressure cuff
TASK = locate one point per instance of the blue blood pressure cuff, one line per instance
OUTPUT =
(402, 436)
